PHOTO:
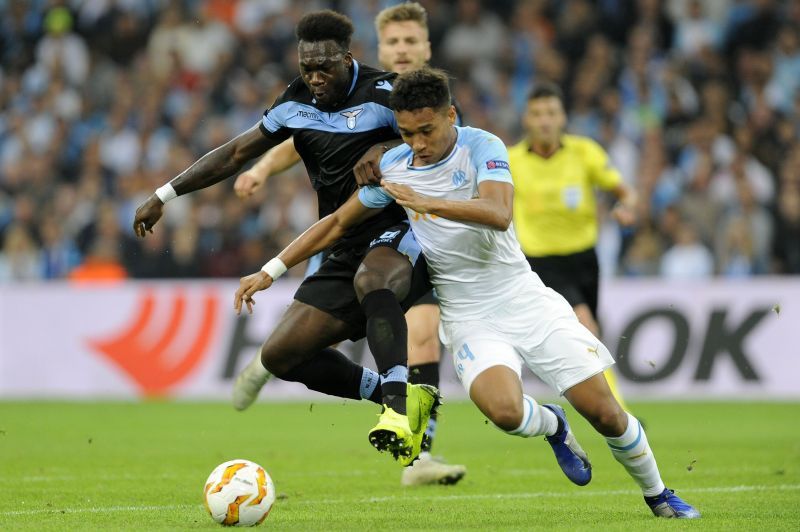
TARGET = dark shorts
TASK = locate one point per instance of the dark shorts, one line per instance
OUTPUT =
(576, 276)
(430, 298)
(331, 289)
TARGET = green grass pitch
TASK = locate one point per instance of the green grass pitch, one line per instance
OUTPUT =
(141, 466)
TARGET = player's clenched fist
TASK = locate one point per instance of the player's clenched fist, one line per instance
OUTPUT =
(248, 182)
(147, 214)
(248, 286)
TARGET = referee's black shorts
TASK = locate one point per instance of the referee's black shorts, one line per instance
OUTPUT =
(575, 276)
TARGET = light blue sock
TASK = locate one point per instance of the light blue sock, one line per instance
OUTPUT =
(395, 374)
(369, 381)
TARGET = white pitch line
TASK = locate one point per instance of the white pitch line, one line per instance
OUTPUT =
(428, 497)
(101, 510)
(540, 494)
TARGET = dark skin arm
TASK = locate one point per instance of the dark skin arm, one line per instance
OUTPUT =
(368, 168)
(210, 169)
(493, 207)
(316, 238)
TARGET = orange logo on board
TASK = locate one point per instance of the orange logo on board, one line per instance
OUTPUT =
(150, 355)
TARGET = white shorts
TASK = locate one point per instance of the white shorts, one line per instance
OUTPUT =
(537, 328)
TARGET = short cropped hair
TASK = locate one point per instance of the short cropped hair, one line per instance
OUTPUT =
(417, 89)
(326, 25)
(401, 13)
(546, 89)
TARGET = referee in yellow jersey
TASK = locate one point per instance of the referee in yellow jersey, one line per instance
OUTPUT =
(555, 213)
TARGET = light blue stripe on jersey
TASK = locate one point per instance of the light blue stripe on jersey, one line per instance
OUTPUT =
(487, 153)
(355, 78)
(368, 117)
(313, 264)
(374, 197)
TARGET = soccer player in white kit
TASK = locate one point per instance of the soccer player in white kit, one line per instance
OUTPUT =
(496, 314)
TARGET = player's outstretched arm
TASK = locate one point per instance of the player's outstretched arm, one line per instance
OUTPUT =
(493, 207)
(210, 169)
(277, 160)
(316, 238)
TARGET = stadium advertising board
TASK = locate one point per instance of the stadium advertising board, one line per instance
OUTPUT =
(718, 339)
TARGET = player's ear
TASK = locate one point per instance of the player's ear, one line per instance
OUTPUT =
(451, 115)
(348, 59)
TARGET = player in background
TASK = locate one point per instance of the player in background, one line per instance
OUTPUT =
(339, 114)
(497, 314)
(555, 213)
(403, 45)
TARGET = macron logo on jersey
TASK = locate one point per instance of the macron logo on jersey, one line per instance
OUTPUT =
(493, 165)
(383, 84)
(351, 117)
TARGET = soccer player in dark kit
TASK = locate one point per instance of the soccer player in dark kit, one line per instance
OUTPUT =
(338, 112)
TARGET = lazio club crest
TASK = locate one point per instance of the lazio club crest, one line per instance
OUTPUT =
(351, 117)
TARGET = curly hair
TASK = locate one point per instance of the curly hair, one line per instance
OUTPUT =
(326, 25)
(417, 89)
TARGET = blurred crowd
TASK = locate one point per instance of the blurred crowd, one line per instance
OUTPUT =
(102, 101)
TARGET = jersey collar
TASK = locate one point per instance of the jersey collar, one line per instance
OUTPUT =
(529, 148)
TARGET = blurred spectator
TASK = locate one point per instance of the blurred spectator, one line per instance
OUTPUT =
(60, 51)
(19, 257)
(697, 31)
(101, 265)
(688, 258)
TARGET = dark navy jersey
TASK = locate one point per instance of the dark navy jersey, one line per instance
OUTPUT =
(330, 142)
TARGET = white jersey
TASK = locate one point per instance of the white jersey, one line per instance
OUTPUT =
(474, 268)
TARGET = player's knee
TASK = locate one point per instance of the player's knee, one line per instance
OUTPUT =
(505, 414)
(367, 280)
(275, 361)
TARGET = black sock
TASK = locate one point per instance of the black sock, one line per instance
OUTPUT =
(427, 373)
(387, 337)
(332, 373)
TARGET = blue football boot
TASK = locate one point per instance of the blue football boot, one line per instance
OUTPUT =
(572, 459)
(667, 504)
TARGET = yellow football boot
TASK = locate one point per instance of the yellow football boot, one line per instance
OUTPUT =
(423, 399)
(392, 433)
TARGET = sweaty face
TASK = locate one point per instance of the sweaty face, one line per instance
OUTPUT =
(429, 132)
(545, 119)
(403, 46)
(325, 69)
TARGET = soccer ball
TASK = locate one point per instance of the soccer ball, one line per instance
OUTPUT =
(239, 493)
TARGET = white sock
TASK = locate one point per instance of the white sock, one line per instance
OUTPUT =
(256, 367)
(634, 453)
(536, 420)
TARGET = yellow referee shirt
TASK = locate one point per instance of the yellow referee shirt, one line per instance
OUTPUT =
(554, 204)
